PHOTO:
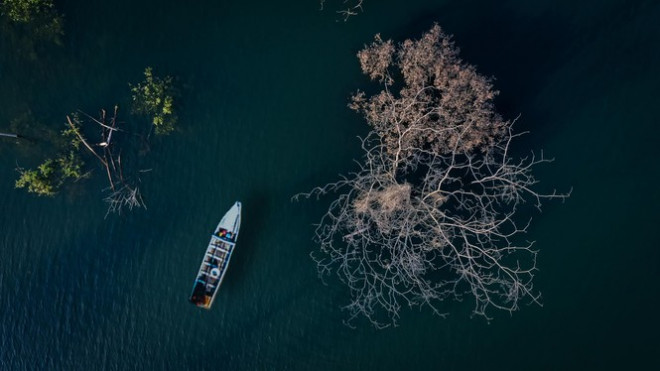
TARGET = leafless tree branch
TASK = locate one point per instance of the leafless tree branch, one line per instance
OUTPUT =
(348, 9)
(123, 193)
(432, 212)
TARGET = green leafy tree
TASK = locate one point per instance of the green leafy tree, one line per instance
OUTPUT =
(29, 29)
(69, 134)
(40, 17)
(25, 11)
(48, 177)
(41, 181)
(154, 96)
(70, 163)
(70, 166)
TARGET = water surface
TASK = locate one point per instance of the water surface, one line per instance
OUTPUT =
(263, 116)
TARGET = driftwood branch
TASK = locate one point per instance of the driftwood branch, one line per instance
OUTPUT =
(84, 142)
(123, 194)
(352, 8)
(101, 122)
(103, 160)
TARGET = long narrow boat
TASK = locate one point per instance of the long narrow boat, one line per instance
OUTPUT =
(216, 260)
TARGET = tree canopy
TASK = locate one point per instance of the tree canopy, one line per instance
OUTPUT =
(37, 20)
(154, 96)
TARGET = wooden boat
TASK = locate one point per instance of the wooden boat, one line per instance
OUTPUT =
(216, 259)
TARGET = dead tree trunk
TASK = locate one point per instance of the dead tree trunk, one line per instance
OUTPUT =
(123, 194)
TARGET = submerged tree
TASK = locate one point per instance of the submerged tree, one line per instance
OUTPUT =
(348, 8)
(431, 213)
(123, 191)
(24, 11)
(37, 19)
(52, 174)
(118, 152)
(154, 96)
(41, 180)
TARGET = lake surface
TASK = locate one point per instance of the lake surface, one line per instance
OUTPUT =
(262, 117)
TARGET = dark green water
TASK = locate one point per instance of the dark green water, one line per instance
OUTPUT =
(263, 117)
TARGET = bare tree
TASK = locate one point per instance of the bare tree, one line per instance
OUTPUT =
(124, 193)
(348, 9)
(431, 213)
